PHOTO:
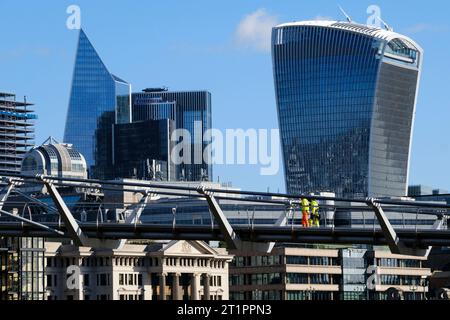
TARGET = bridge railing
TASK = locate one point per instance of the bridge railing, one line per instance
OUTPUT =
(369, 213)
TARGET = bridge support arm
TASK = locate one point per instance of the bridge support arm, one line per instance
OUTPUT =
(136, 212)
(231, 238)
(32, 223)
(396, 245)
(5, 192)
(73, 228)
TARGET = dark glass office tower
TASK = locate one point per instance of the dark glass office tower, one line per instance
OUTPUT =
(346, 98)
(142, 150)
(192, 112)
(153, 109)
(95, 91)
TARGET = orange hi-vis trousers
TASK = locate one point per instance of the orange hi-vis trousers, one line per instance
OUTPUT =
(305, 219)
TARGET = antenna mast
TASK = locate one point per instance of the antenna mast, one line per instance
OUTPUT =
(386, 26)
(349, 19)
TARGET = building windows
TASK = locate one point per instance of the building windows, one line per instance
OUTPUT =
(312, 278)
(215, 281)
(385, 262)
(297, 278)
(350, 279)
(131, 297)
(255, 279)
(323, 261)
(310, 295)
(354, 263)
(320, 279)
(267, 295)
(103, 279)
(313, 261)
(49, 280)
(354, 296)
(130, 279)
(401, 280)
(256, 261)
(399, 263)
(299, 260)
(86, 280)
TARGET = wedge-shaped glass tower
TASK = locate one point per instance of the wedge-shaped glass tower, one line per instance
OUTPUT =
(95, 93)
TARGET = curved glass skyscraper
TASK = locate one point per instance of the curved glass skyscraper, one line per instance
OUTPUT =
(96, 95)
(346, 96)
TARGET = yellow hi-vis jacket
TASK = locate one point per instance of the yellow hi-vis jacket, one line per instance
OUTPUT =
(305, 205)
(315, 207)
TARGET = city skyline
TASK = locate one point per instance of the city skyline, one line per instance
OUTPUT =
(251, 85)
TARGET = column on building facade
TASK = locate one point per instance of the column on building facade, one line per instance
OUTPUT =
(162, 286)
(176, 289)
(206, 287)
(195, 286)
(148, 290)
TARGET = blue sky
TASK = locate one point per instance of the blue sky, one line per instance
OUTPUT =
(216, 45)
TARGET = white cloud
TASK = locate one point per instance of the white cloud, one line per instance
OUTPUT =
(255, 29)
(419, 28)
(323, 18)
(422, 27)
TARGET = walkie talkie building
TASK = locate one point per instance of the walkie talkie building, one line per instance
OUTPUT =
(346, 98)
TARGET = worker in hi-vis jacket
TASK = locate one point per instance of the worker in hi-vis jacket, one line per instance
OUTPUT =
(305, 211)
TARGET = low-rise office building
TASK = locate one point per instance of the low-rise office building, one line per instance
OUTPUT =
(179, 270)
(293, 273)
(21, 268)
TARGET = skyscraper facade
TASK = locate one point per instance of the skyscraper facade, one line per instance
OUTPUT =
(142, 150)
(192, 113)
(16, 132)
(346, 98)
(94, 94)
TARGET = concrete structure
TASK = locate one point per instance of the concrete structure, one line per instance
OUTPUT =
(179, 270)
(346, 99)
(426, 193)
(16, 132)
(21, 259)
(294, 273)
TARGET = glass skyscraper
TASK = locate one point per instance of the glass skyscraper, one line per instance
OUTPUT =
(346, 98)
(191, 110)
(142, 150)
(94, 95)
